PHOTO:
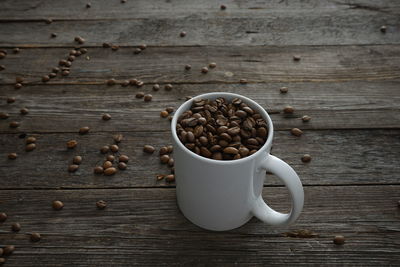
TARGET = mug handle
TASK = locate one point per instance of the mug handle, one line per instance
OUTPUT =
(292, 181)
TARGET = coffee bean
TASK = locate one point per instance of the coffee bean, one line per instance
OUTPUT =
(4, 116)
(283, 90)
(160, 177)
(30, 147)
(110, 171)
(339, 240)
(114, 47)
(73, 168)
(133, 81)
(163, 150)
(164, 159)
(30, 139)
(164, 114)
(143, 46)
(57, 205)
(8, 250)
(296, 132)
(106, 45)
(212, 65)
(243, 81)
(170, 149)
(241, 113)
(84, 130)
(10, 100)
(71, 144)
(77, 160)
(122, 166)
(306, 158)
(118, 138)
(383, 29)
(106, 117)
(15, 227)
(53, 35)
(79, 40)
(148, 149)
(71, 58)
(262, 132)
(140, 84)
(2, 260)
(65, 73)
(190, 137)
(12, 156)
(230, 150)
(137, 51)
(306, 118)
(168, 87)
(16, 50)
(123, 158)
(288, 110)
(3, 217)
(148, 98)
(104, 149)
(170, 109)
(217, 156)
(244, 151)
(205, 152)
(17, 86)
(98, 170)
(171, 162)
(140, 95)
(182, 34)
(48, 21)
(222, 7)
(45, 78)
(188, 67)
(101, 204)
(2, 67)
(83, 50)
(111, 82)
(156, 87)
(107, 164)
(52, 75)
(35, 237)
(296, 58)
(204, 70)
(114, 148)
(110, 158)
(170, 178)
(2, 55)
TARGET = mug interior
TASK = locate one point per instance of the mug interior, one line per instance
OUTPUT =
(229, 96)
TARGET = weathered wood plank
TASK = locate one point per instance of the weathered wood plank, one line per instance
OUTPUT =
(56, 108)
(159, 24)
(144, 227)
(256, 64)
(339, 157)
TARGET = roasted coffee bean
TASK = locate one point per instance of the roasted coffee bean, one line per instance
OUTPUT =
(106, 45)
(45, 78)
(252, 151)
(2, 260)
(57, 205)
(110, 158)
(168, 87)
(114, 47)
(10, 100)
(71, 58)
(230, 150)
(30, 139)
(147, 98)
(72, 144)
(65, 73)
(104, 149)
(383, 28)
(2, 55)
(164, 114)
(182, 34)
(203, 141)
(122, 165)
(171, 162)
(3, 217)
(79, 40)
(156, 87)
(110, 171)
(190, 146)
(48, 21)
(163, 150)
(111, 82)
(118, 138)
(137, 50)
(306, 118)
(170, 178)
(30, 147)
(140, 84)
(196, 150)
(67, 64)
(12, 156)
(73, 168)
(215, 148)
(217, 156)
(52, 75)
(212, 65)
(4, 115)
(225, 137)
(35, 237)
(164, 159)
(243, 81)
(106, 117)
(306, 158)
(84, 130)
(222, 7)
(15, 227)
(283, 90)
(140, 95)
(2, 67)
(170, 149)
(123, 158)
(288, 110)
(114, 148)
(16, 50)
(296, 58)
(237, 156)
(244, 151)
(160, 177)
(142, 46)
(18, 86)
(83, 50)
(188, 67)
(77, 160)
(8, 250)
(190, 137)
(98, 170)
(148, 149)
(296, 132)
(169, 109)
(262, 132)
(204, 70)
(339, 240)
(101, 204)
(205, 152)
(252, 141)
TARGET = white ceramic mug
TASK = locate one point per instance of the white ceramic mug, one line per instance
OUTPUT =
(224, 194)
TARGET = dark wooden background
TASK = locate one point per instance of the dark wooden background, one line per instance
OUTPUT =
(348, 81)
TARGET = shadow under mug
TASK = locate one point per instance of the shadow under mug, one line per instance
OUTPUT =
(224, 194)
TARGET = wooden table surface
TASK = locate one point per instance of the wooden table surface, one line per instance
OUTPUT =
(348, 81)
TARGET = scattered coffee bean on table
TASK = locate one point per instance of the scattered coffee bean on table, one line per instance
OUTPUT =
(2, 55)
(283, 90)
(212, 65)
(35, 237)
(383, 28)
(148, 149)
(137, 51)
(15, 227)
(72, 143)
(168, 87)
(164, 159)
(30, 140)
(164, 114)
(296, 132)
(24, 111)
(79, 40)
(2, 260)
(182, 34)
(107, 164)
(110, 158)
(104, 149)
(339, 240)
(48, 21)
(222, 7)
(148, 98)
(114, 47)
(142, 46)
(306, 158)
(30, 147)
(16, 50)
(288, 110)
(3, 217)
(73, 168)
(101, 204)
(160, 177)
(12, 156)
(204, 70)
(98, 170)
(106, 117)
(2, 67)
(123, 158)
(221, 129)
(170, 178)
(14, 124)
(77, 160)
(188, 67)
(156, 87)
(171, 162)
(163, 150)
(4, 115)
(140, 95)
(106, 45)
(110, 171)
(84, 130)
(296, 58)
(18, 86)
(125, 83)
(306, 118)
(118, 138)
(111, 82)
(122, 166)
(53, 35)
(169, 109)
(243, 81)
(10, 100)
(57, 205)
(8, 250)
(114, 148)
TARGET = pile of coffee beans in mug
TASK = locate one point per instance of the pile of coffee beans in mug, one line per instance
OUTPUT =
(221, 129)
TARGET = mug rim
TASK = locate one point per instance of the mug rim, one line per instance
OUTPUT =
(214, 95)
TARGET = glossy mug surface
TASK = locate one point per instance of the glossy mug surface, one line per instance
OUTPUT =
(224, 194)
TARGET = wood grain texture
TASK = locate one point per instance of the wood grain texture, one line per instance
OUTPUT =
(256, 64)
(159, 23)
(338, 158)
(65, 108)
(144, 227)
